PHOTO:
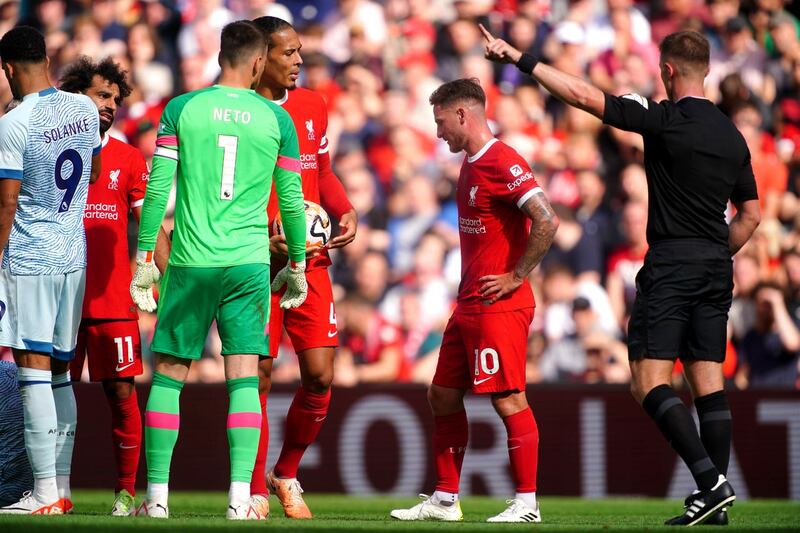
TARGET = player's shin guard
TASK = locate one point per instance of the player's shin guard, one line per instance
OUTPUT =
(523, 449)
(41, 424)
(244, 426)
(67, 414)
(715, 428)
(126, 434)
(161, 423)
(303, 422)
(450, 436)
(258, 484)
(676, 424)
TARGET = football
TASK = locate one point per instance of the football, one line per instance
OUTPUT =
(318, 225)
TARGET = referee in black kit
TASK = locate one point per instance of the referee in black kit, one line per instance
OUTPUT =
(696, 160)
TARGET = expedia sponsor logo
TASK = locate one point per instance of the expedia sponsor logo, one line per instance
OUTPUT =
(100, 211)
(308, 161)
(473, 226)
(519, 181)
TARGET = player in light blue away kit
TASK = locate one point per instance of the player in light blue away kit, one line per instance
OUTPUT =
(49, 147)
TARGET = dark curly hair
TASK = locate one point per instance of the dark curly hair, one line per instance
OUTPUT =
(77, 77)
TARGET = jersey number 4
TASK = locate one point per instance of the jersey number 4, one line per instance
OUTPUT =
(70, 183)
(229, 143)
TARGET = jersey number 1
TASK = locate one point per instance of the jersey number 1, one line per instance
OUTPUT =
(229, 143)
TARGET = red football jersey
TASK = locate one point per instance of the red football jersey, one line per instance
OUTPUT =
(493, 231)
(310, 117)
(119, 188)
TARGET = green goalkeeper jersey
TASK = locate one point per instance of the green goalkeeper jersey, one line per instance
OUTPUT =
(225, 145)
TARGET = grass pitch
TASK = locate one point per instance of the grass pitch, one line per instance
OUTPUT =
(205, 511)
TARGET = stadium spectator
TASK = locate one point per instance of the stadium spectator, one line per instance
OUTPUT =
(741, 54)
(770, 351)
(371, 347)
(625, 262)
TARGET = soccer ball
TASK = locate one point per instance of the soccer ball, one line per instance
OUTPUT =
(318, 225)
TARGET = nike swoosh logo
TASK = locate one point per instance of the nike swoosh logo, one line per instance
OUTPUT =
(479, 381)
(120, 369)
(514, 448)
(319, 419)
(128, 447)
(332, 334)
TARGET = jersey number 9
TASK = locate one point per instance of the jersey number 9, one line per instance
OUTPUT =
(70, 183)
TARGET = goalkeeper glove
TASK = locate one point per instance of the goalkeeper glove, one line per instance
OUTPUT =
(142, 283)
(293, 275)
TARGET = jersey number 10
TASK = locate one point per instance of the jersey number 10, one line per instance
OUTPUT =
(229, 143)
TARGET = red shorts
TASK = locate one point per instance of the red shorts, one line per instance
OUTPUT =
(485, 352)
(313, 324)
(113, 348)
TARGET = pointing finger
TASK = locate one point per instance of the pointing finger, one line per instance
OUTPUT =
(486, 35)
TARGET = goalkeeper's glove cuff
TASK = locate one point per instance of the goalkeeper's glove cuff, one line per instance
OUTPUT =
(144, 256)
(298, 265)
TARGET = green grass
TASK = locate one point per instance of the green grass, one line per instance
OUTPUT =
(204, 511)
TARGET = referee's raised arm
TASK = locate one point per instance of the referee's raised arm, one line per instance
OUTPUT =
(570, 89)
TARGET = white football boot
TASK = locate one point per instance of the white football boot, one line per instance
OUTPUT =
(518, 511)
(30, 505)
(243, 511)
(152, 509)
(429, 509)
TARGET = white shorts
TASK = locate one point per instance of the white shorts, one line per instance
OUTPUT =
(41, 313)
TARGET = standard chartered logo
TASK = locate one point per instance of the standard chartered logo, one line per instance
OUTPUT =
(471, 225)
(101, 211)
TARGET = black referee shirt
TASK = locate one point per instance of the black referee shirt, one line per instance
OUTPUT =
(695, 159)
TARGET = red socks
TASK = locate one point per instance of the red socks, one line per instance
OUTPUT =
(126, 428)
(450, 435)
(523, 449)
(303, 423)
(258, 483)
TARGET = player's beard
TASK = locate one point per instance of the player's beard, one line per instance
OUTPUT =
(105, 125)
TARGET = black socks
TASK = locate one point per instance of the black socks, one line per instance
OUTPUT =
(676, 423)
(715, 428)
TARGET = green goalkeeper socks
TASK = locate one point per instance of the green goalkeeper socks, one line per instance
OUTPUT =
(162, 419)
(244, 426)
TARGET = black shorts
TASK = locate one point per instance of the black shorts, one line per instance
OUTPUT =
(683, 295)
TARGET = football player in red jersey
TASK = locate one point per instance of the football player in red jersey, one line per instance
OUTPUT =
(506, 225)
(109, 331)
(312, 326)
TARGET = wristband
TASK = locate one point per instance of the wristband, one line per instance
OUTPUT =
(527, 63)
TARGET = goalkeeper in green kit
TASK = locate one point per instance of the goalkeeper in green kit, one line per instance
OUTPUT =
(225, 143)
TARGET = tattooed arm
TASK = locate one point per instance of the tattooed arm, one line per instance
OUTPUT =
(543, 229)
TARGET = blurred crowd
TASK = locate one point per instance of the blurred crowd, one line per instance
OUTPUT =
(376, 63)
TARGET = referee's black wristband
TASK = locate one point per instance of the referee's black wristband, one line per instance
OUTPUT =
(527, 63)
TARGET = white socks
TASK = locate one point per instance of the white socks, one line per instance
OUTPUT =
(445, 498)
(528, 497)
(67, 412)
(41, 425)
(239, 492)
(158, 493)
(45, 490)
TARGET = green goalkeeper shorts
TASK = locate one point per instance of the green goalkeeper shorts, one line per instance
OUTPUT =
(191, 297)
